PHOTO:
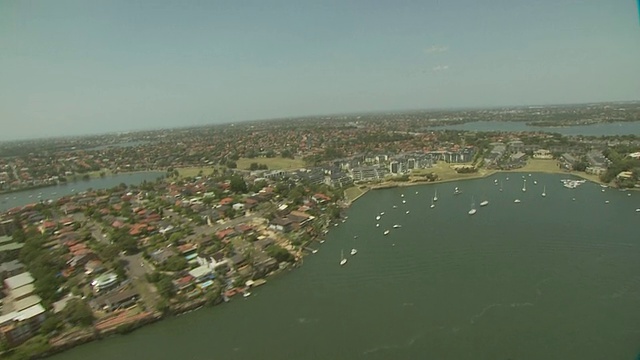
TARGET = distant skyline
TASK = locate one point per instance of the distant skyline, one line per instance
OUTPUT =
(82, 67)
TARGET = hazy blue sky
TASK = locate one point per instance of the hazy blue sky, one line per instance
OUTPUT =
(78, 67)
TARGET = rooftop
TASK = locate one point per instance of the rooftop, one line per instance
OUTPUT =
(10, 266)
(200, 271)
(5, 239)
(22, 291)
(26, 302)
(19, 280)
(10, 246)
(30, 312)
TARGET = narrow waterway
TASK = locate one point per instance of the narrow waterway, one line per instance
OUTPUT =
(21, 198)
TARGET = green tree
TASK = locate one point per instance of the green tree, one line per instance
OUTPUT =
(51, 323)
(280, 254)
(175, 263)
(78, 312)
(176, 237)
(286, 153)
(165, 287)
(238, 185)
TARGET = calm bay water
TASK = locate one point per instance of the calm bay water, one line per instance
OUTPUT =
(21, 198)
(622, 128)
(549, 278)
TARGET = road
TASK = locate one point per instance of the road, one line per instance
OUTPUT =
(137, 268)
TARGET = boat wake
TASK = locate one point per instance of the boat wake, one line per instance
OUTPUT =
(303, 320)
(406, 344)
(487, 308)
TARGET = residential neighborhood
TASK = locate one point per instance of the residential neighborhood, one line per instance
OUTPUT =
(235, 206)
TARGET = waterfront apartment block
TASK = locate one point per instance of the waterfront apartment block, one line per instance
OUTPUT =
(22, 313)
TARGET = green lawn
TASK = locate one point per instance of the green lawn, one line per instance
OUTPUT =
(540, 165)
(445, 171)
(194, 171)
(276, 163)
(353, 192)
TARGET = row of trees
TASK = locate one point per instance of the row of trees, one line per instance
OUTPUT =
(45, 265)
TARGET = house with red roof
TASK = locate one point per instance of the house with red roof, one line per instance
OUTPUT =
(48, 227)
(224, 233)
(226, 201)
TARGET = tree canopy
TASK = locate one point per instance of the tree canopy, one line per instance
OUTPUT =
(78, 312)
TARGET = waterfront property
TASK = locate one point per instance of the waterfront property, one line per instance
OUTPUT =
(408, 293)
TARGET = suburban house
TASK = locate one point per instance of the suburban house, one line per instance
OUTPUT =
(542, 154)
(119, 300)
(11, 268)
(18, 326)
(281, 224)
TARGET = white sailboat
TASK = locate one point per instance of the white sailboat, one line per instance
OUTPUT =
(435, 195)
(524, 186)
(500, 185)
(544, 191)
(473, 207)
(484, 203)
(432, 204)
(354, 251)
(343, 260)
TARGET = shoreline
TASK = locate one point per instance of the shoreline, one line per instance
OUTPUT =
(77, 181)
(63, 345)
(487, 173)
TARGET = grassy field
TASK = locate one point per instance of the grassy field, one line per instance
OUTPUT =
(194, 171)
(446, 173)
(538, 165)
(551, 166)
(353, 193)
(276, 163)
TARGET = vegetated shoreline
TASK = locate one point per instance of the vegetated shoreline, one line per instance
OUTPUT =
(81, 180)
(83, 336)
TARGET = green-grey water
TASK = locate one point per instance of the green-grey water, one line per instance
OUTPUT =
(548, 278)
(600, 129)
(21, 198)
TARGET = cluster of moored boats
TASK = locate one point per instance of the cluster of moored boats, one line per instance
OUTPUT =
(567, 183)
(572, 184)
